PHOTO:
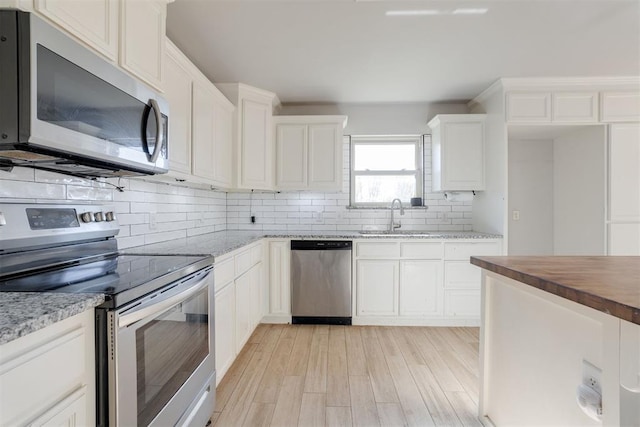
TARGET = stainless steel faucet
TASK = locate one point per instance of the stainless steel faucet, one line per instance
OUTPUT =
(392, 224)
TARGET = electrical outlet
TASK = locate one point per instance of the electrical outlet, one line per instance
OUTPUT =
(516, 215)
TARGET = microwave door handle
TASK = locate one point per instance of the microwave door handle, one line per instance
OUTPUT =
(159, 304)
(159, 134)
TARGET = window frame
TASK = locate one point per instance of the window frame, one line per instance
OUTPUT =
(418, 173)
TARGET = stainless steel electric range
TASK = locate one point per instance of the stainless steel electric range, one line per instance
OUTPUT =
(155, 330)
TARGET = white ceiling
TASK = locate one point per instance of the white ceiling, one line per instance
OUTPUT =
(346, 51)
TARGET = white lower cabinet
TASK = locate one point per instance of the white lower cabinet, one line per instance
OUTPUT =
(419, 287)
(279, 281)
(377, 287)
(419, 282)
(48, 376)
(238, 302)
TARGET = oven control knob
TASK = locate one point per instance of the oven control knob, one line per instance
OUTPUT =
(86, 217)
(99, 216)
(110, 216)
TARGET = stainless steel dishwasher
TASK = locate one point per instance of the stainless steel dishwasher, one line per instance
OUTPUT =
(321, 282)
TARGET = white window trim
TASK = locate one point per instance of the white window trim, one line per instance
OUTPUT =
(385, 139)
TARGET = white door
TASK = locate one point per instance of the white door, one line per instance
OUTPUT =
(419, 285)
(377, 287)
(291, 156)
(225, 329)
(325, 157)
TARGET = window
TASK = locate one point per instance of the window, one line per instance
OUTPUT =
(384, 168)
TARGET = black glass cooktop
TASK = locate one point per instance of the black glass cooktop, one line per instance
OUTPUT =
(121, 278)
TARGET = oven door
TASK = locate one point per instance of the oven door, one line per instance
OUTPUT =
(163, 372)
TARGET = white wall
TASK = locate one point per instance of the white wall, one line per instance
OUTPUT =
(531, 183)
(579, 192)
(178, 211)
(304, 210)
(380, 119)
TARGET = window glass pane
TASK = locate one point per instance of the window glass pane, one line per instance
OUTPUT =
(384, 157)
(383, 189)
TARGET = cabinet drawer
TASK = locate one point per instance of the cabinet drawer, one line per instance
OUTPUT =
(256, 254)
(378, 250)
(464, 303)
(38, 377)
(528, 107)
(243, 262)
(223, 273)
(461, 275)
(575, 107)
(620, 107)
(462, 251)
(421, 250)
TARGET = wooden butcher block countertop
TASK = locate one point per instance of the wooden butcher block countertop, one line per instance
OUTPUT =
(608, 284)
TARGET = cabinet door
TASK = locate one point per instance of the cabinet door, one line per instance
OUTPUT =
(95, 22)
(223, 146)
(528, 107)
(461, 275)
(256, 295)
(462, 156)
(624, 239)
(142, 39)
(629, 373)
(203, 129)
(255, 155)
(420, 282)
(575, 107)
(377, 287)
(71, 411)
(291, 156)
(243, 310)
(225, 329)
(624, 172)
(325, 157)
(620, 107)
(177, 88)
(463, 303)
(279, 277)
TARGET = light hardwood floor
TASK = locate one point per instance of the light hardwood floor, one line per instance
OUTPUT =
(305, 375)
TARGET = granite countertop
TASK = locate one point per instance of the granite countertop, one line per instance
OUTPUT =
(24, 312)
(222, 242)
(607, 284)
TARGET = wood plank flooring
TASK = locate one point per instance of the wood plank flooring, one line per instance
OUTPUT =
(305, 375)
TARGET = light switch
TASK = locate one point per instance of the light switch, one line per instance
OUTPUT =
(516, 215)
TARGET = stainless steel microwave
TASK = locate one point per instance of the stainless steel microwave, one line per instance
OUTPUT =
(63, 108)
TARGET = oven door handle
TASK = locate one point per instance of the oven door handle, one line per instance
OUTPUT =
(161, 303)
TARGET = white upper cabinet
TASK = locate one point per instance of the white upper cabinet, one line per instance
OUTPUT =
(309, 152)
(201, 124)
(620, 107)
(142, 39)
(457, 145)
(253, 142)
(624, 172)
(177, 90)
(128, 32)
(552, 107)
(95, 22)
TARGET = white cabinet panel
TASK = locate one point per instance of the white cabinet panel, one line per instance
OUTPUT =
(629, 373)
(419, 285)
(223, 273)
(624, 172)
(575, 107)
(291, 156)
(243, 261)
(225, 306)
(243, 310)
(461, 275)
(71, 412)
(377, 287)
(528, 107)
(457, 152)
(463, 251)
(377, 249)
(142, 38)
(255, 146)
(325, 156)
(464, 303)
(279, 277)
(223, 145)
(95, 22)
(624, 239)
(421, 250)
(255, 294)
(620, 107)
(203, 129)
(177, 90)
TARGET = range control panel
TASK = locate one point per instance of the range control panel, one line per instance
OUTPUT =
(22, 224)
